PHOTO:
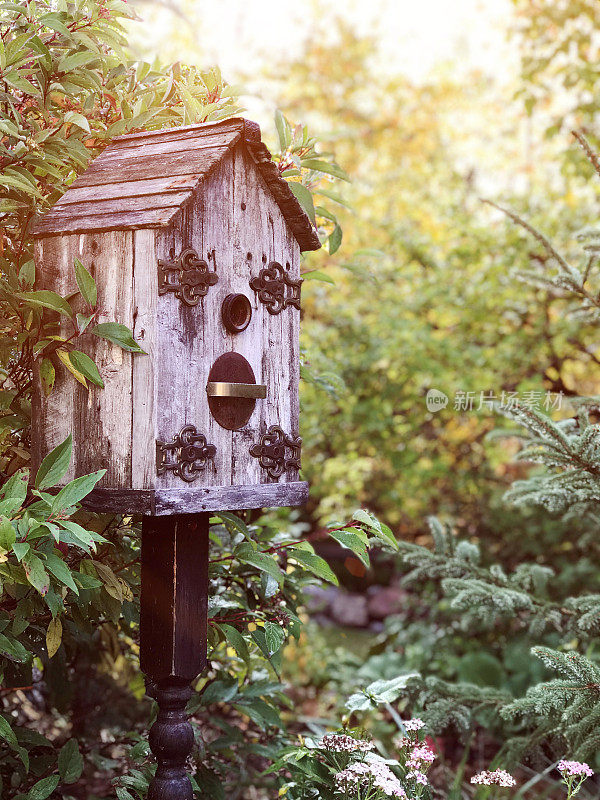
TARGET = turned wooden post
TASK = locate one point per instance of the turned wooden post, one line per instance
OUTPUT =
(173, 625)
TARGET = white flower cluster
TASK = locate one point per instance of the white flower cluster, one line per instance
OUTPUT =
(375, 773)
(575, 768)
(342, 743)
(413, 724)
(499, 777)
(421, 754)
(418, 776)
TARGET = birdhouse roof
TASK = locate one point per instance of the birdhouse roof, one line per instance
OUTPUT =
(142, 179)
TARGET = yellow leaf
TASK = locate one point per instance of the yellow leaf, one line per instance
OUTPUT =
(64, 357)
(53, 636)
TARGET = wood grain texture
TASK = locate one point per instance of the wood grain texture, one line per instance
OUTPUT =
(68, 222)
(119, 205)
(102, 429)
(174, 598)
(199, 162)
(120, 501)
(152, 186)
(230, 498)
(184, 131)
(99, 419)
(155, 146)
(194, 499)
(53, 416)
(145, 296)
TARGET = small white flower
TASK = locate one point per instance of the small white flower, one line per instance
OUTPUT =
(574, 768)
(342, 743)
(414, 724)
(499, 777)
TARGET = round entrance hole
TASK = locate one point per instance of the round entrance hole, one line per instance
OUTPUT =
(236, 312)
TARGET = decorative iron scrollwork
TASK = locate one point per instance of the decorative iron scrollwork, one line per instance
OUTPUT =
(186, 456)
(277, 452)
(187, 276)
(276, 289)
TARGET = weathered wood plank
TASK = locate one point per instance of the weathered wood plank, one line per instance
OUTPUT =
(230, 498)
(119, 205)
(174, 599)
(145, 296)
(162, 185)
(120, 501)
(103, 417)
(183, 131)
(52, 417)
(195, 499)
(199, 162)
(53, 224)
(151, 147)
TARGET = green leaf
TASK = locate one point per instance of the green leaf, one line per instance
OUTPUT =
(317, 275)
(70, 762)
(27, 273)
(84, 364)
(47, 299)
(8, 535)
(47, 376)
(55, 465)
(325, 166)
(73, 118)
(283, 130)
(220, 691)
(61, 572)
(35, 572)
(44, 788)
(274, 636)
(7, 733)
(86, 283)
(118, 334)
(83, 321)
(305, 198)
(335, 240)
(375, 527)
(314, 564)
(352, 541)
(83, 538)
(75, 491)
(75, 60)
(13, 650)
(237, 641)
(20, 549)
(15, 487)
(53, 636)
(260, 561)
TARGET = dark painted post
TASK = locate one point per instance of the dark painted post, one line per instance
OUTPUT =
(173, 626)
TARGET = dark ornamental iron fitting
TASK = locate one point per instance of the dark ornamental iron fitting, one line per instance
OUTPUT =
(276, 289)
(277, 452)
(187, 276)
(186, 456)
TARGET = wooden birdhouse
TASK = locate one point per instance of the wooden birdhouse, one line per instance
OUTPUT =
(194, 242)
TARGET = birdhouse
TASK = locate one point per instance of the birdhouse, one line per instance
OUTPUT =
(194, 242)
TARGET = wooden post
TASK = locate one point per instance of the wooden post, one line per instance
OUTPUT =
(173, 626)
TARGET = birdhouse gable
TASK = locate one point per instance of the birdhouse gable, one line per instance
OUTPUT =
(145, 180)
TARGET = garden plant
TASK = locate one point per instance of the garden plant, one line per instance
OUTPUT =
(486, 683)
